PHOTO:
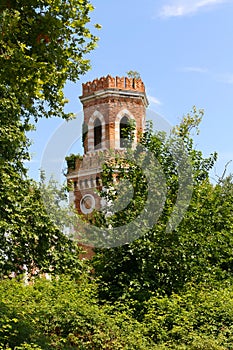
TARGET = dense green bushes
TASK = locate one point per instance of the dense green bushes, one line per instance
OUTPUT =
(64, 314)
(200, 318)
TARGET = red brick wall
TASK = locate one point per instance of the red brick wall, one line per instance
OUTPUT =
(109, 96)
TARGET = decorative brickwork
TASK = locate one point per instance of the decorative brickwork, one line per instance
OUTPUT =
(109, 82)
(108, 98)
(106, 102)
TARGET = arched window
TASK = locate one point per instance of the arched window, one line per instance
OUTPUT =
(97, 134)
(97, 180)
(124, 131)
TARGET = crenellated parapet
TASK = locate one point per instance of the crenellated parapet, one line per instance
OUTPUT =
(109, 82)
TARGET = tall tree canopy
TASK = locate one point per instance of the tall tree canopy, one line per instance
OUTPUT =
(162, 261)
(43, 44)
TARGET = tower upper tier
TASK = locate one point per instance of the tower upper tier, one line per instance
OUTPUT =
(108, 103)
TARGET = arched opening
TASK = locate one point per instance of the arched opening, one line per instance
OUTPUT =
(124, 132)
(97, 180)
(97, 134)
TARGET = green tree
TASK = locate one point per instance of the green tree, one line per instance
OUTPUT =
(163, 260)
(33, 240)
(43, 43)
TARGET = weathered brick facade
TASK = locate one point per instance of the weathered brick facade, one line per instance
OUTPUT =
(106, 101)
(110, 99)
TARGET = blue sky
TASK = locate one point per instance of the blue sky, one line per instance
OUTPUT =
(183, 50)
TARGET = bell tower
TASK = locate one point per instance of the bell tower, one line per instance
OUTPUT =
(109, 105)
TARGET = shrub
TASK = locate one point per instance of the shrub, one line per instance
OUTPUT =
(63, 314)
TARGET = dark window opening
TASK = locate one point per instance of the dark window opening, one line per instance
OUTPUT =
(97, 181)
(97, 134)
(124, 132)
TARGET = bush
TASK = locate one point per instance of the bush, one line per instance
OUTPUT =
(63, 314)
(197, 319)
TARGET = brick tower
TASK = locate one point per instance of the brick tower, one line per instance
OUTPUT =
(109, 103)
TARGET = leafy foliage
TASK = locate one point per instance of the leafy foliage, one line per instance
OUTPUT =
(32, 238)
(43, 44)
(133, 74)
(63, 314)
(199, 318)
(161, 260)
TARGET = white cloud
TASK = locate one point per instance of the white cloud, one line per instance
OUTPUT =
(194, 69)
(154, 100)
(187, 7)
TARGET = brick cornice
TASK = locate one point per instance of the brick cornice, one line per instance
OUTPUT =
(115, 93)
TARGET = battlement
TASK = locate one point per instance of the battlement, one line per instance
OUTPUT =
(109, 82)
